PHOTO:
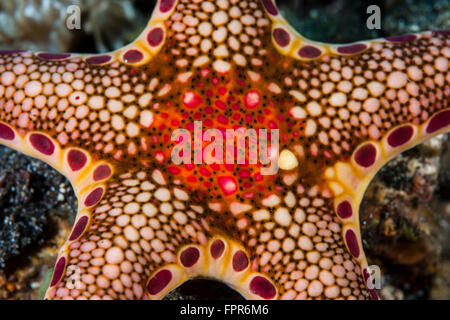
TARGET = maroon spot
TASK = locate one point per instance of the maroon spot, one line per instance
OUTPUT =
(102, 172)
(270, 7)
(11, 51)
(351, 49)
(217, 249)
(133, 56)
(281, 37)
(240, 261)
(155, 37)
(166, 5)
(309, 52)
(365, 156)
(159, 281)
(402, 38)
(53, 56)
(442, 32)
(189, 257)
(440, 120)
(59, 270)
(79, 228)
(42, 144)
(400, 136)
(352, 243)
(94, 197)
(262, 287)
(98, 59)
(6, 133)
(76, 159)
(372, 292)
(344, 209)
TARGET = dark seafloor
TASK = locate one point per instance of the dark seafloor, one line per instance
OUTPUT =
(405, 215)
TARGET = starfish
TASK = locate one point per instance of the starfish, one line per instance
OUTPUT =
(146, 224)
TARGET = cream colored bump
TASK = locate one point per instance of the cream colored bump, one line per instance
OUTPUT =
(240, 60)
(298, 112)
(282, 216)
(298, 95)
(235, 27)
(112, 92)
(397, 79)
(132, 130)
(376, 88)
(149, 209)
(234, 43)
(206, 45)
(338, 99)
(287, 160)
(288, 245)
(207, 6)
(190, 21)
(220, 34)
(114, 255)
(63, 90)
(117, 122)
(248, 20)
(143, 197)
(254, 76)
(441, 64)
(146, 119)
(145, 99)
(201, 61)
(8, 78)
(359, 94)
(180, 217)
(131, 208)
(131, 233)
(314, 108)
(138, 221)
(336, 188)
(371, 105)
(315, 288)
(290, 199)
(96, 102)
(205, 29)
(222, 4)
(130, 112)
(305, 243)
(274, 88)
(311, 127)
(238, 208)
(221, 66)
(104, 115)
(221, 51)
(260, 215)
(81, 112)
(414, 73)
(166, 208)
(235, 12)
(162, 194)
(158, 177)
(329, 173)
(33, 88)
(219, 18)
(147, 233)
(113, 105)
(180, 194)
(271, 201)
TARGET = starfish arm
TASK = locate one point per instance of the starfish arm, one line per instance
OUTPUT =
(357, 106)
(127, 239)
